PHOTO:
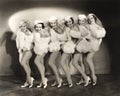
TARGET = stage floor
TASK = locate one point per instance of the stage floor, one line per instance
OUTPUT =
(107, 86)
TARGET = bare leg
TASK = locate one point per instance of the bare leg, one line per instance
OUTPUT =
(20, 56)
(89, 60)
(81, 63)
(78, 67)
(25, 60)
(52, 63)
(40, 65)
(64, 64)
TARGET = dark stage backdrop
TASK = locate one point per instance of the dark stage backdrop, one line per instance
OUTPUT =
(106, 59)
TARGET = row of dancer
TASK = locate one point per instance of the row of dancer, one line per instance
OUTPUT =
(73, 39)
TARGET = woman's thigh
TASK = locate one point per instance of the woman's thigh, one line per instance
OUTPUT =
(53, 56)
(26, 56)
(76, 57)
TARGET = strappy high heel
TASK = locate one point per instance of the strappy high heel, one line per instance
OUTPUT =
(88, 81)
(40, 85)
(80, 82)
(95, 81)
(70, 85)
(31, 82)
(60, 83)
(26, 84)
(54, 84)
(45, 83)
(65, 84)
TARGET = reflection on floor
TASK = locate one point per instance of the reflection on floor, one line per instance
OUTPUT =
(106, 86)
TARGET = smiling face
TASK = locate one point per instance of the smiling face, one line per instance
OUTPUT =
(53, 23)
(23, 27)
(82, 21)
(38, 27)
(91, 19)
(69, 22)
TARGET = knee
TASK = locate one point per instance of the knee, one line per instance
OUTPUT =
(36, 61)
(51, 62)
(88, 59)
(75, 61)
(62, 61)
(23, 63)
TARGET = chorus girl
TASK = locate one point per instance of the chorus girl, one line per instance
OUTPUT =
(54, 48)
(68, 47)
(41, 41)
(24, 43)
(97, 33)
(82, 47)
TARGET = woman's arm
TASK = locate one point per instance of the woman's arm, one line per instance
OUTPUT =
(101, 33)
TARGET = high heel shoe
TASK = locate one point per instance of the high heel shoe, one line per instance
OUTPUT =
(60, 83)
(80, 82)
(45, 83)
(31, 82)
(70, 85)
(88, 81)
(65, 84)
(40, 85)
(94, 81)
(54, 84)
(26, 84)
